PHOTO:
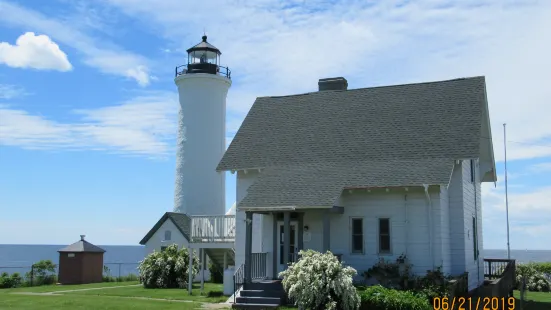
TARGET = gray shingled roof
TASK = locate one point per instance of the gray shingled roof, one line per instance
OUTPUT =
(82, 246)
(180, 220)
(321, 142)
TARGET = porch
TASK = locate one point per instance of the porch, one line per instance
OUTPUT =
(284, 246)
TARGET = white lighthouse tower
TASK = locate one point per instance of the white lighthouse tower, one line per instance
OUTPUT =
(202, 86)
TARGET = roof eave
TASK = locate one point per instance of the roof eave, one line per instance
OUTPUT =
(491, 175)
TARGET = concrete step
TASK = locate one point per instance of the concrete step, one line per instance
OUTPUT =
(254, 306)
(264, 286)
(259, 300)
(262, 293)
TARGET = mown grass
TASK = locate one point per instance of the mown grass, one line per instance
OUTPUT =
(57, 287)
(79, 302)
(212, 293)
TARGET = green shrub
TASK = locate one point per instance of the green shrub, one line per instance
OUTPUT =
(320, 281)
(216, 273)
(42, 273)
(7, 281)
(167, 269)
(542, 267)
(536, 280)
(380, 298)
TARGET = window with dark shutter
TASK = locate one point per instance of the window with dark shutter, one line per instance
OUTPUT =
(384, 235)
(357, 235)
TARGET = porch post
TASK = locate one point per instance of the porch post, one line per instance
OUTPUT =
(300, 245)
(326, 232)
(275, 259)
(190, 270)
(248, 245)
(203, 265)
(286, 236)
(225, 260)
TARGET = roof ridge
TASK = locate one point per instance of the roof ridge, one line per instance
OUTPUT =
(380, 86)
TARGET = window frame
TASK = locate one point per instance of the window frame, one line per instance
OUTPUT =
(379, 235)
(163, 248)
(352, 235)
(169, 234)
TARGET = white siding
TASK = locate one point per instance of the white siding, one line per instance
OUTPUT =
(410, 239)
(244, 180)
(157, 241)
(462, 209)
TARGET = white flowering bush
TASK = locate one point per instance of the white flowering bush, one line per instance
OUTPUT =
(167, 269)
(536, 280)
(319, 281)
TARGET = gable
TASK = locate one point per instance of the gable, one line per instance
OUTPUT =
(180, 220)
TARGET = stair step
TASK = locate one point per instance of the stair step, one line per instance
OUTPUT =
(262, 293)
(254, 306)
(265, 286)
(259, 300)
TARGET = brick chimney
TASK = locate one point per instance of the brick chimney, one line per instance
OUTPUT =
(336, 83)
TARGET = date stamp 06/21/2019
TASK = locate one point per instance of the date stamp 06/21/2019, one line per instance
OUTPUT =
(476, 303)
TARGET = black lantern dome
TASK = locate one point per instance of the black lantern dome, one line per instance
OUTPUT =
(203, 58)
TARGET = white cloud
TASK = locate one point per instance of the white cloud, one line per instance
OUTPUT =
(284, 47)
(144, 125)
(34, 51)
(541, 167)
(105, 56)
(8, 91)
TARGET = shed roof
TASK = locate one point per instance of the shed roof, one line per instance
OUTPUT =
(82, 246)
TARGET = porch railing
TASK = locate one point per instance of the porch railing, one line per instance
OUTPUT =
(213, 228)
(258, 266)
(501, 273)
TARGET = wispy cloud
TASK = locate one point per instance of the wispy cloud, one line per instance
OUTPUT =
(8, 91)
(112, 60)
(144, 125)
(284, 47)
(34, 51)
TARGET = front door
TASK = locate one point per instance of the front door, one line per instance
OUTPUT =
(292, 245)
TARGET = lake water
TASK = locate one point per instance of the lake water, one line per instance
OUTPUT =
(124, 259)
(119, 259)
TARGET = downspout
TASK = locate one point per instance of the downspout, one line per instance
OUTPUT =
(429, 214)
(407, 222)
(476, 221)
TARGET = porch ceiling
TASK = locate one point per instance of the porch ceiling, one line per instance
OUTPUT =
(321, 184)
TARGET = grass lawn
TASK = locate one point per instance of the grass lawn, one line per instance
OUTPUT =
(55, 288)
(77, 302)
(212, 293)
(534, 300)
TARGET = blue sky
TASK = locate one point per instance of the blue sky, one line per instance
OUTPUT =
(88, 105)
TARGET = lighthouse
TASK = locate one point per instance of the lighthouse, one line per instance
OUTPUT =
(203, 85)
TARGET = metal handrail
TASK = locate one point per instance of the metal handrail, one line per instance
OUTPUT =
(220, 70)
(238, 279)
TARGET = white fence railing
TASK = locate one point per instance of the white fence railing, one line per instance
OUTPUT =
(213, 228)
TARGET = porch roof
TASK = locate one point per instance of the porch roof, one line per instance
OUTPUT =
(315, 185)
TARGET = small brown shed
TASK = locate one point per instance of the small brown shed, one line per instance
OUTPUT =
(80, 263)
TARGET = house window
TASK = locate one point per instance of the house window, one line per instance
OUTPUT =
(168, 235)
(357, 235)
(163, 248)
(384, 235)
(472, 170)
(475, 239)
